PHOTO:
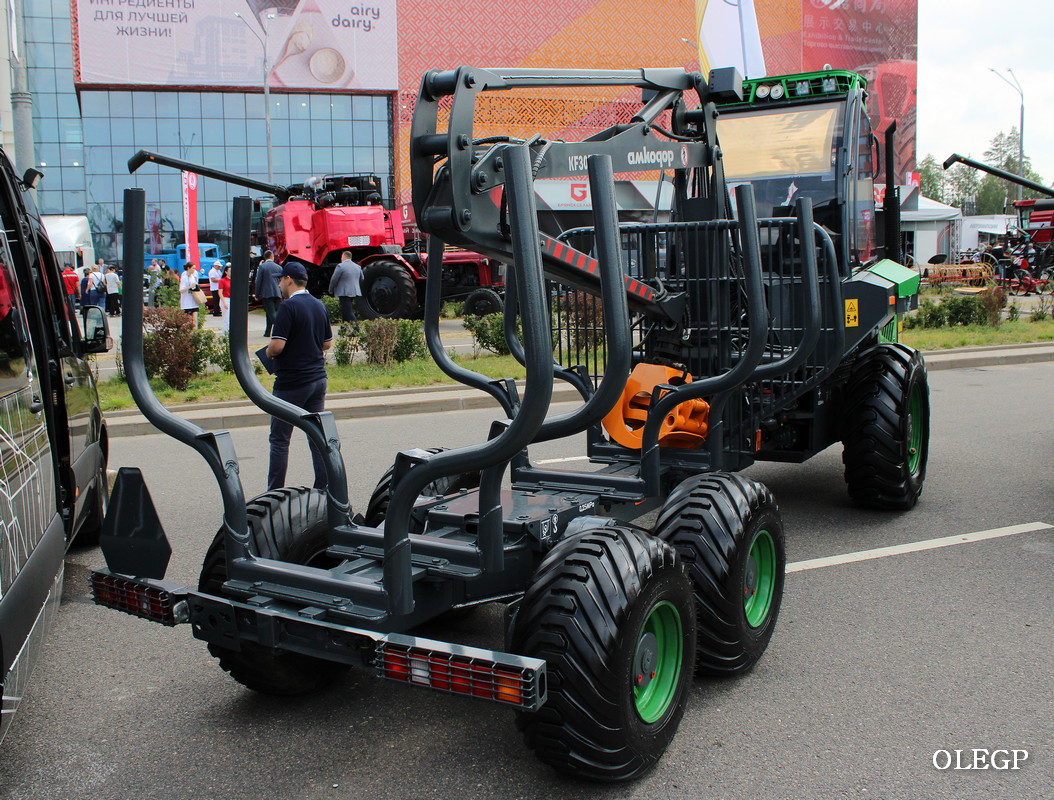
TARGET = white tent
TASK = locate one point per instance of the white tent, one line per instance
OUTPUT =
(991, 224)
(934, 228)
(69, 235)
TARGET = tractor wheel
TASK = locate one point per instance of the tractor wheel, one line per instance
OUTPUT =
(887, 428)
(289, 525)
(611, 612)
(388, 292)
(728, 532)
(482, 302)
(1020, 282)
(377, 508)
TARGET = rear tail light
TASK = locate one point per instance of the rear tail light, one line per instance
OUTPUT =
(485, 674)
(154, 600)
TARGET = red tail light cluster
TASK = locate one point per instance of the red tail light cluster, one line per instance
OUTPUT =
(146, 600)
(521, 685)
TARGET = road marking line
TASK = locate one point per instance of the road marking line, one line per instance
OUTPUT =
(562, 460)
(916, 547)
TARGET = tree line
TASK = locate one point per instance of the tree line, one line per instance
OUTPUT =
(977, 192)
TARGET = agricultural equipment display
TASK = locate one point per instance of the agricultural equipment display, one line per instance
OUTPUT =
(736, 339)
(318, 220)
(1035, 220)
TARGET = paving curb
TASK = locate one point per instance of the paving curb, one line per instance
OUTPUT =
(434, 399)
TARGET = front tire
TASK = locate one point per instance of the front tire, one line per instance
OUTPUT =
(887, 428)
(388, 292)
(483, 302)
(728, 532)
(289, 525)
(611, 612)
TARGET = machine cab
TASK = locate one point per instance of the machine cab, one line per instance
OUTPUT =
(807, 136)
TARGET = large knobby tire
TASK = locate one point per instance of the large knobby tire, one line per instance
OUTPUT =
(886, 430)
(483, 302)
(377, 508)
(728, 532)
(388, 292)
(610, 611)
(289, 525)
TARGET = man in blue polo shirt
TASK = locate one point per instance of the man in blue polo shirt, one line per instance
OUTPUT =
(301, 336)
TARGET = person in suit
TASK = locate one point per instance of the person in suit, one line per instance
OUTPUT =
(267, 291)
(346, 285)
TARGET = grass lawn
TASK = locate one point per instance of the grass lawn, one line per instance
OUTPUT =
(219, 387)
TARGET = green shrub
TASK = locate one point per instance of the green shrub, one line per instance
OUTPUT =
(965, 310)
(1013, 314)
(347, 342)
(932, 315)
(1041, 311)
(204, 349)
(409, 341)
(488, 333)
(221, 354)
(168, 296)
(379, 338)
(332, 305)
(452, 309)
(994, 301)
(168, 346)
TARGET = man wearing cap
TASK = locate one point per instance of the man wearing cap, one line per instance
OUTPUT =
(301, 336)
(214, 286)
(267, 291)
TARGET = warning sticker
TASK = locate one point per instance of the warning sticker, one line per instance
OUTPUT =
(852, 313)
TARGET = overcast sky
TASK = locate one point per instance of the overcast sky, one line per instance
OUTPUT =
(961, 105)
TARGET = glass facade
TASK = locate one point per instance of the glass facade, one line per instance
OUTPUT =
(85, 145)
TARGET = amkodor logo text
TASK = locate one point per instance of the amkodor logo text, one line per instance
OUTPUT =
(979, 758)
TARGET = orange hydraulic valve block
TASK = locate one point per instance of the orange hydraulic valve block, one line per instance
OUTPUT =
(686, 426)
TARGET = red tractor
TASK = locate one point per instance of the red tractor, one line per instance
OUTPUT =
(316, 221)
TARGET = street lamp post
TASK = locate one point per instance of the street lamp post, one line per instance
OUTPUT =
(266, 89)
(1016, 85)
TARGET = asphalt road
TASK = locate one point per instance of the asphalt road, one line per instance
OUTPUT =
(874, 665)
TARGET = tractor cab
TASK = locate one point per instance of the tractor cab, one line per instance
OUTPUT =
(807, 136)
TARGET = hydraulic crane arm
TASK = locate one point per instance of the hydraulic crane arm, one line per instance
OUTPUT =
(999, 173)
(281, 193)
(458, 180)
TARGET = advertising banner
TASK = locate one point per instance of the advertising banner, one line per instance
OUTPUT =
(310, 44)
(190, 214)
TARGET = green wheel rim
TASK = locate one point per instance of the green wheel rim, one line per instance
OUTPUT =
(659, 647)
(915, 430)
(759, 582)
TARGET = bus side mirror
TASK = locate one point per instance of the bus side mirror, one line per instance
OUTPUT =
(96, 337)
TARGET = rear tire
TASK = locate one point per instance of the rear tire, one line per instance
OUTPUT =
(728, 532)
(377, 508)
(887, 428)
(483, 302)
(611, 612)
(388, 292)
(289, 525)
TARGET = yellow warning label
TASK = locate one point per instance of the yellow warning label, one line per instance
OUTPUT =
(852, 313)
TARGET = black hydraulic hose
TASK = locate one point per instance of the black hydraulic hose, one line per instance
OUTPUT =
(433, 300)
(615, 309)
(320, 428)
(523, 426)
(811, 284)
(215, 447)
(757, 316)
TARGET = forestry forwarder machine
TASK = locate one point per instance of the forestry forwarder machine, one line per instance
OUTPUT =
(740, 339)
(316, 221)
